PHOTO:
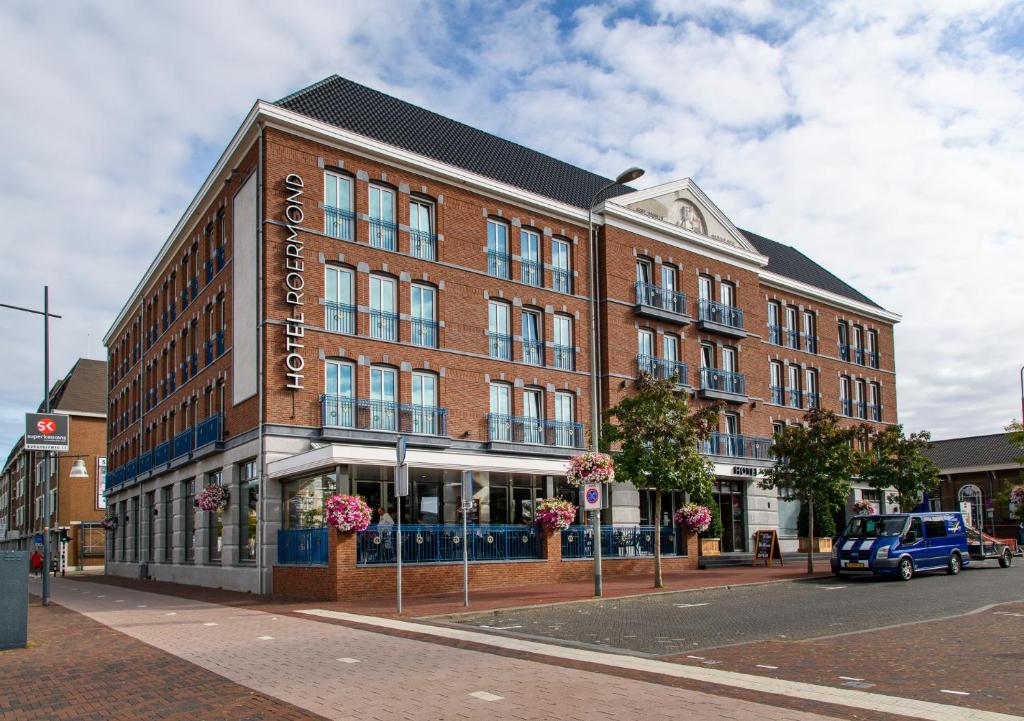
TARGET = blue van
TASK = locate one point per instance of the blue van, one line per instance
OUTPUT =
(901, 544)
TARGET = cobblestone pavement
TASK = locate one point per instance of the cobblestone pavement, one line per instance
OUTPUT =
(341, 672)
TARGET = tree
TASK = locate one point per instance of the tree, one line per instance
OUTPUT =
(1012, 493)
(814, 463)
(653, 435)
(897, 461)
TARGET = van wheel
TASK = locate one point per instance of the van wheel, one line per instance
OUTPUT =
(906, 569)
(1006, 559)
(954, 565)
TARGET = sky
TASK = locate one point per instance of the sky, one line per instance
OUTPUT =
(884, 140)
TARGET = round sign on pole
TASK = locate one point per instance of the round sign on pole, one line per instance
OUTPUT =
(592, 497)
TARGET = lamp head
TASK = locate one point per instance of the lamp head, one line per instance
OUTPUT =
(629, 174)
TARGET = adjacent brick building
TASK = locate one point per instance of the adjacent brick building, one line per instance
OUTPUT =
(355, 268)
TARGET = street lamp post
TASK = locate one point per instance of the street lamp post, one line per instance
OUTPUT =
(1022, 396)
(625, 176)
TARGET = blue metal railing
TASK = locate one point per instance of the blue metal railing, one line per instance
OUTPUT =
(847, 406)
(620, 541)
(423, 543)
(874, 412)
(183, 443)
(533, 352)
(651, 295)
(663, 368)
(810, 343)
(340, 317)
(724, 381)
(530, 271)
(498, 264)
(383, 324)
(727, 315)
(208, 430)
(873, 359)
(145, 461)
(813, 400)
(561, 280)
(778, 395)
(793, 339)
(338, 222)
(534, 431)
(302, 546)
(499, 345)
(208, 345)
(382, 233)
(194, 286)
(844, 351)
(422, 245)
(162, 453)
(565, 357)
(737, 446)
(220, 257)
(775, 334)
(424, 332)
(363, 414)
(796, 398)
(208, 266)
(220, 343)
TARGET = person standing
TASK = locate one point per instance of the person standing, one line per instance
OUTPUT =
(36, 562)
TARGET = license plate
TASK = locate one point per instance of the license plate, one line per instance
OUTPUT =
(855, 564)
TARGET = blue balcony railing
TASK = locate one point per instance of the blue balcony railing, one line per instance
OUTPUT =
(499, 345)
(874, 412)
(383, 325)
(338, 222)
(193, 286)
(715, 312)
(303, 546)
(498, 264)
(810, 343)
(208, 430)
(193, 363)
(793, 339)
(422, 245)
(651, 295)
(724, 381)
(382, 233)
(813, 400)
(663, 368)
(145, 461)
(340, 317)
(208, 347)
(183, 443)
(778, 395)
(775, 334)
(533, 352)
(561, 280)
(363, 414)
(872, 357)
(534, 431)
(220, 258)
(565, 357)
(847, 406)
(844, 351)
(796, 397)
(531, 272)
(737, 446)
(423, 543)
(220, 343)
(162, 453)
(208, 267)
(620, 541)
(424, 332)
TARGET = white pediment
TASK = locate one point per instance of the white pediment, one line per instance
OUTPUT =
(683, 204)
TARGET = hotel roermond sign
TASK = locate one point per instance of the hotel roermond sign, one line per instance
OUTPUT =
(47, 431)
(294, 280)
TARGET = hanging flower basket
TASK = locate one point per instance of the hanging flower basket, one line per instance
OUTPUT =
(555, 514)
(590, 468)
(1017, 495)
(109, 523)
(212, 498)
(863, 508)
(347, 513)
(694, 518)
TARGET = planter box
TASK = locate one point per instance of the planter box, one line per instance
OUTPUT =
(710, 546)
(822, 544)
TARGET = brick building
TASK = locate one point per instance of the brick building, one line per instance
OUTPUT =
(356, 267)
(77, 504)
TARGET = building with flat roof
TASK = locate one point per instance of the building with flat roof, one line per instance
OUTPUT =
(357, 268)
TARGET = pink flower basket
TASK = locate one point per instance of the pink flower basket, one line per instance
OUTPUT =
(590, 468)
(347, 513)
(555, 514)
(863, 508)
(694, 518)
(109, 523)
(1017, 495)
(212, 498)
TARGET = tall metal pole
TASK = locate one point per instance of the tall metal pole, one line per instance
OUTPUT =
(46, 463)
(1022, 397)
(398, 547)
(595, 412)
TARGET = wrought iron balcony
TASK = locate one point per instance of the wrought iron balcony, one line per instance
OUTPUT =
(533, 352)
(793, 339)
(663, 368)
(220, 343)
(220, 258)
(370, 415)
(810, 343)
(565, 357)
(812, 400)
(208, 267)
(422, 245)
(561, 280)
(162, 453)
(424, 332)
(382, 233)
(737, 446)
(844, 351)
(775, 334)
(531, 272)
(499, 345)
(383, 325)
(498, 264)
(722, 385)
(208, 430)
(872, 357)
(534, 431)
(340, 317)
(338, 222)
(778, 395)
(796, 398)
(183, 443)
(874, 411)
(720, 318)
(660, 303)
(847, 406)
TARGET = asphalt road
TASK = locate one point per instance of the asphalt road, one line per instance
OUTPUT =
(688, 621)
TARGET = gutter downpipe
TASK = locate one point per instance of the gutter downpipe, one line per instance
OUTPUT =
(260, 520)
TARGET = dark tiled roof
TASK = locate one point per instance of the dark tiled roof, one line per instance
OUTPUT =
(83, 389)
(369, 112)
(991, 450)
(790, 262)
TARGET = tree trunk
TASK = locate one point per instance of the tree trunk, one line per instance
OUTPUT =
(658, 582)
(810, 533)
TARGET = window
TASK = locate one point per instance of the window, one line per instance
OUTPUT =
(422, 322)
(875, 402)
(499, 342)
(795, 395)
(383, 319)
(533, 343)
(645, 345)
(844, 396)
(728, 294)
(778, 427)
(248, 506)
(872, 349)
(775, 322)
(189, 511)
(339, 395)
(500, 420)
(421, 230)
(643, 271)
(565, 432)
(775, 382)
(707, 356)
(561, 275)
(215, 524)
(167, 511)
(935, 527)
(811, 388)
(792, 329)
(338, 206)
(533, 416)
(382, 217)
(858, 344)
(424, 401)
(383, 396)
(339, 300)
(532, 271)
(705, 288)
(729, 360)
(498, 263)
(859, 399)
(670, 350)
(810, 336)
(844, 340)
(668, 280)
(565, 351)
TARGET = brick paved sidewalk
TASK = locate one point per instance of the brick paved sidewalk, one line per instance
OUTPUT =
(79, 669)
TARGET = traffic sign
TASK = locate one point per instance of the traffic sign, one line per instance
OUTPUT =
(47, 431)
(591, 496)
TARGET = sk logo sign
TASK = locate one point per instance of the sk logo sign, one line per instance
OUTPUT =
(46, 426)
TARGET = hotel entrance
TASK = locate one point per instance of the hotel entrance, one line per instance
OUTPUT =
(730, 498)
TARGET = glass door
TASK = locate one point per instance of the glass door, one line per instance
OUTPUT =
(339, 408)
(533, 414)
(382, 399)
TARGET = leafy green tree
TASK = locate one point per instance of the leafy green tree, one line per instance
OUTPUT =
(897, 461)
(824, 520)
(1015, 434)
(653, 434)
(814, 463)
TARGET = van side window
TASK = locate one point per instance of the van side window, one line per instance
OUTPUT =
(915, 528)
(935, 527)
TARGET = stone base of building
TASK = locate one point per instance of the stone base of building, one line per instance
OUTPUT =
(343, 580)
(229, 578)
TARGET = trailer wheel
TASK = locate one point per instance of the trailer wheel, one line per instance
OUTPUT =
(1006, 560)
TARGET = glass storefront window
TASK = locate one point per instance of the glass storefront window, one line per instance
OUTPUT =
(304, 500)
(248, 501)
(215, 523)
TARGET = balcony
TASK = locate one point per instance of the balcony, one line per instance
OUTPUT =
(162, 453)
(872, 357)
(383, 325)
(369, 415)
(422, 245)
(208, 430)
(220, 258)
(858, 355)
(793, 339)
(340, 318)
(424, 332)
(844, 351)
(796, 398)
(720, 318)
(847, 406)
(561, 280)
(737, 446)
(183, 443)
(208, 267)
(338, 222)
(533, 352)
(531, 272)
(534, 431)
(382, 233)
(812, 400)
(219, 344)
(874, 412)
(498, 264)
(655, 302)
(499, 345)
(778, 395)
(810, 343)
(775, 334)
(145, 461)
(184, 298)
(193, 286)
(662, 368)
(722, 385)
(565, 357)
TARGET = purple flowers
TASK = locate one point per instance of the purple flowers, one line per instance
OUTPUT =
(1017, 495)
(212, 498)
(590, 468)
(694, 518)
(109, 523)
(555, 514)
(347, 513)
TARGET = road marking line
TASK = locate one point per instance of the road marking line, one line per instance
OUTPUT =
(761, 665)
(120, 600)
(690, 605)
(211, 623)
(348, 660)
(499, 628)
(264, 638)
(874, 701)
(831, 588)
(172, 613)
(699, 658)
(851, 678)
(955, 693)
(484, 696)
(141, 605)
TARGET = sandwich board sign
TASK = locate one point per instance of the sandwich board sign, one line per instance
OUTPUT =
(766, 547)
(47, 431)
